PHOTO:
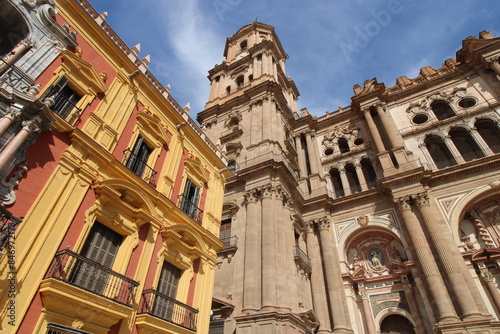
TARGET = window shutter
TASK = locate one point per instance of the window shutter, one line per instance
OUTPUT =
(102, 245)
(169, 280)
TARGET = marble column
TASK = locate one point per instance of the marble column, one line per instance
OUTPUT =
(252, 275)
(301, 157)
(377, 139)
(345, 182)
(440, 299)
(365, 302)
(390, 127)
(269, 251)
(487, 279)
(448, 256)
(361, 176)
(16, 142)
(317, 279)
(334, 282)
(10, 117)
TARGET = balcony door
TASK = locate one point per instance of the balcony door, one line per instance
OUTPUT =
(100, 248)
(164, 304)
(139, 156)
(191, 197)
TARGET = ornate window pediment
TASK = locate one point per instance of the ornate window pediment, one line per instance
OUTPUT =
(149, 124)
(79, 70)
(195, 169)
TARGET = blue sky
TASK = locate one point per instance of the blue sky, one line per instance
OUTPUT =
(332, 45)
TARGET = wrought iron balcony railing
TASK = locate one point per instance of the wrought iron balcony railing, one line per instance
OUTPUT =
(63, 104)
(139, 167)
(91, 276)
(161, 306)
(8, 225)
(190, 208)
(15, 77)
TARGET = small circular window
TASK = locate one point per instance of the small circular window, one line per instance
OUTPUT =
(358, 141)
(467, 102)
(329, 151)
(420, 119)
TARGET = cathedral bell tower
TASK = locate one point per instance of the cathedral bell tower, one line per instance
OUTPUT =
(262, 272)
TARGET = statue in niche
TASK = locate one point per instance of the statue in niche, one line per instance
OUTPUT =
(376, 258)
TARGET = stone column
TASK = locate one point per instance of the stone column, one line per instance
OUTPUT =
(377, 140)
(252, 275)
(487, 280)
(334, 282)
(453, 149)
(413, 307)
(480, 141)
(256, 69)
(448, 256)
(256, 122)
(440, 299)
(345, 182)
(285, 241)
(301, 157)
(267, 120)
(311, 151)
(495, 66)
(16, 142)
(269, 251)
(16, 53)
(10, 117)
(361, 176)
(317, 279)
(365, 301)
(390, 127)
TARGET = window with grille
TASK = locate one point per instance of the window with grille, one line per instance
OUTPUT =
(225, 232)
(191, 197)
(139, 156)
(65, 98)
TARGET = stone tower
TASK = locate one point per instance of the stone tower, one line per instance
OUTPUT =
(264, 273)
(379, 217)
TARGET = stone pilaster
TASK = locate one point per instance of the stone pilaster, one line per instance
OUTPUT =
(317, 279)
(365, 302)
(269, 249)
(301, 157)
(252, 276)
(408, 289)
(334, 282)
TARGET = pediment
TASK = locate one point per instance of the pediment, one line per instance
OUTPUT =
(196, 169)
(84, 71)
(152, 124)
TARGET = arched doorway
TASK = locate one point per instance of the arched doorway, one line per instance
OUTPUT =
(396, 324)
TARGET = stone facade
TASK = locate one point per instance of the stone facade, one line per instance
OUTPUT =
(380, 216)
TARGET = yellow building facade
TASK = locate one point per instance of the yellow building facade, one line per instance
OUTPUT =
(111, 194)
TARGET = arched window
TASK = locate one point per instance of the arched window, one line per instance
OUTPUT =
(240, 81)
(13, 28)
(337, 183)
(490, 133)
(369, 173)
(352, 178)
(243, 45)
(465, 144)
(343, 145)
(396, 323)
(228, 89)
(442, 110)
(439, 151)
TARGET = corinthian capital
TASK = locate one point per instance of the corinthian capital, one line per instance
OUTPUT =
(422, 199)
(402, 203)
(323, 223)
(252, 196)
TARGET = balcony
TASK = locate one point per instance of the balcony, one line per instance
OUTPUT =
(63, 102)
(14, 77)
(93, 277)
(302, 259)
(8, 225)
(165, 308)
(139, 167)
(190, 208)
